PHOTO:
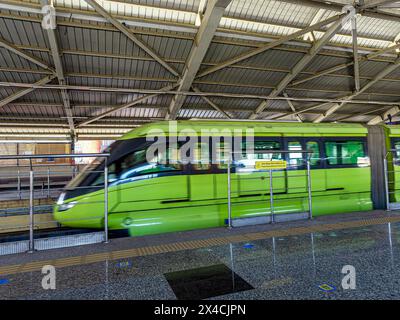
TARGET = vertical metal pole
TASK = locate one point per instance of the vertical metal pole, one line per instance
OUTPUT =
(31, 209)
(271, 196)
(385, 168)
(309, 189)
(105, 201)
(48, 182)
(19, 185)
(229, 193)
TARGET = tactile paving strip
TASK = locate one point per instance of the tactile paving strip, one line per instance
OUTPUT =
(192, 244)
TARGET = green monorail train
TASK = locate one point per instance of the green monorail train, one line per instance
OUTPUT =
(148, 197)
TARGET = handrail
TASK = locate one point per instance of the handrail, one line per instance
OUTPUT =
(273, 151)
(31, 184)
(56, 156)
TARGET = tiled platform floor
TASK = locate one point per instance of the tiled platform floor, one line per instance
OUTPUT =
(286, 265)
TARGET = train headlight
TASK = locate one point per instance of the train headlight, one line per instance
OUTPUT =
(61, 198)
(66, 206)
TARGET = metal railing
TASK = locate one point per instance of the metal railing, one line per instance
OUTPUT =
(51, 180)
(32, 186)
(305, 166)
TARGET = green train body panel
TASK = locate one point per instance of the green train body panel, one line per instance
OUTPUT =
(186, 202)
(261, 129)
(140, 206)
(393, 170)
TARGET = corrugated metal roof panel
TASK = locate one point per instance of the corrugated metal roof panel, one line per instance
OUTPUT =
(244, 76)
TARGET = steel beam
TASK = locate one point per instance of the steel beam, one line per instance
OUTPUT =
(253, 52)
(23, 92)
(377, 78)
(344, 65)
(212, 104)
(128, 33)
(127, 105)
(33, 117)
(74, 13)
(332, 6)
(208, 94)
(212, 16)
(297, 116)
(55, 52)
(124, 77)
(298, 112)
(361, 113)
(376, 3)
(355, 54)
(333, 29)
(378, 119)
(14, 49)
(223, 32)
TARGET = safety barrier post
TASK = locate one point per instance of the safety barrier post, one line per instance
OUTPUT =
(31, 210)
(19, 185)
(48, 182)
(386, 173)
(271, 196)
(309, 189)
(229, 193)
(105, 201)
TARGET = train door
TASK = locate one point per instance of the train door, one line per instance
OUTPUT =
(318, 174)
(254, 182)
(220, 155)
(295, 178)
(394, 166)
(296, 175)
(201, 178)
(347, 165)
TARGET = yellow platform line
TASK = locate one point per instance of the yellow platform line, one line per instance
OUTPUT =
(189, 245)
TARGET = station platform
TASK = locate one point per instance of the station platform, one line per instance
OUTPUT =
(293, 260)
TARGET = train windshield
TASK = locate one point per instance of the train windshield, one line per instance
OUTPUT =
(86, 171)
(123, 166)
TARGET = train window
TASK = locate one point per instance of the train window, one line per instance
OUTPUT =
(345, 152)
(201, 156)
(136, 164)
(222, 154)
(396, 161)
(259, 147)
(267, 146)
(169, 160)
(313, 147)
(295, 158)
(250, 156)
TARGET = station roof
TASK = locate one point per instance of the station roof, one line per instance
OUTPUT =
(110, 66)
